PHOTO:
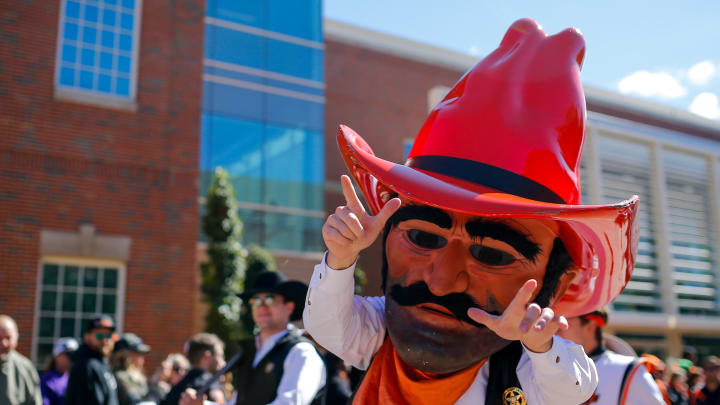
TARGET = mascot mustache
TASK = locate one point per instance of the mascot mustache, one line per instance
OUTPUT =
(419, 293)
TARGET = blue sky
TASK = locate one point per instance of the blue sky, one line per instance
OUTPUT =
(664, 51)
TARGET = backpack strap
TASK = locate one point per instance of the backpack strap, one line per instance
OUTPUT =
(630, 371)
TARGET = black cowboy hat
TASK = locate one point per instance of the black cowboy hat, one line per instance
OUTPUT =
(276, 283)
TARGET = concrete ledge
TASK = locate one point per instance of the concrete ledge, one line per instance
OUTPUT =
(94, 100)
(85, 243)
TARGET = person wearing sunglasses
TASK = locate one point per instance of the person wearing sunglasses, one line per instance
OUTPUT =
(91, 382)
(279, 366)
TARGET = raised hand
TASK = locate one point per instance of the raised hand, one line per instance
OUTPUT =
(351, 229)
(530, 324)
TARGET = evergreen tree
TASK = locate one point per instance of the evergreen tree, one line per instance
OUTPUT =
(223, 276)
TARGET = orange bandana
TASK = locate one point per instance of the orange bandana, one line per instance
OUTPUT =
(390, 381)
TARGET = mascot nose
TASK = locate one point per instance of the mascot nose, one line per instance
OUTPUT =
(448, 273)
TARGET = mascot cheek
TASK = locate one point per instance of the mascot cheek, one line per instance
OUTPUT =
(404, 263)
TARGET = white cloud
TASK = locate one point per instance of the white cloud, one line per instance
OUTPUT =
(474, 51)
(702, 72)
(706, 105)
(649, 84)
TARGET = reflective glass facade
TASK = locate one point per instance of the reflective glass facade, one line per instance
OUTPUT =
(263, 114)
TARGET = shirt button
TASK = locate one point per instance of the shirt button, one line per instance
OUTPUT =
(557, 359)
(577, 382)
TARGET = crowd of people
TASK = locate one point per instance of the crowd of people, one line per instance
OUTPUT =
(107, 369)
(281, 365)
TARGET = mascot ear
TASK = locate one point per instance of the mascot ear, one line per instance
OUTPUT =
(565, 282)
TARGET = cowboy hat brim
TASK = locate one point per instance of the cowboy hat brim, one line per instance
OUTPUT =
(601, 239)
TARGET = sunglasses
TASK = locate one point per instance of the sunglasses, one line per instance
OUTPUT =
(268, 300)
(102, 336)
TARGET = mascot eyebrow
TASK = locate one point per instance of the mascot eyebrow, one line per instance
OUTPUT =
(477, 228)
(483, 228)
(423, 213)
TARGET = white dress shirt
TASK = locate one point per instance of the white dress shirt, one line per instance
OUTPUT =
(353, 328)
(303, 370)
(642, 389)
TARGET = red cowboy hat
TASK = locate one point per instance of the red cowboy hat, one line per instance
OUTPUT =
(507, 141)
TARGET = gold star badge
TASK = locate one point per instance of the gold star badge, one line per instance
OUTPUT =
(514, 396)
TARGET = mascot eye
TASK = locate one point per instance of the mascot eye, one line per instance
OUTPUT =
(491, 257)
(426, 240)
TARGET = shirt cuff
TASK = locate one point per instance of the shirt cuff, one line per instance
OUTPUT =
(332, 281)
(554, 355)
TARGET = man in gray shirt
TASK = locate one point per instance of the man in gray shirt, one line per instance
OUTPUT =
(19, 382)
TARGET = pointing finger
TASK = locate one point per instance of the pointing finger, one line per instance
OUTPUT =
(480, 316)
(385, 213)
(335, 222)
(531, 315)
(558, 323)
(351, 198)
(517, 306)
(545, 319)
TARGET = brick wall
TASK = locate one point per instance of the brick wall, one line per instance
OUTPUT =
(131, 173)
(384, 99)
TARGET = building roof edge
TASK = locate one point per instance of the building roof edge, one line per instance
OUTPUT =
(387, 43)
(605, 101)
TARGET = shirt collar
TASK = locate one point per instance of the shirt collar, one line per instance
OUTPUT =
(270, 341)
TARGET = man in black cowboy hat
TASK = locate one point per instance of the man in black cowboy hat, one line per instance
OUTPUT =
(280, 366)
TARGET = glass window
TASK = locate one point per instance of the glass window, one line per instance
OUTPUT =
(407, 145)
(252, 13)
(642, 343)
(297, 18)
(705, 345)
(294, 168)
(221, 99)
(691, 233)
(295, 60)
(282, 231)
(70, 295)
(93, 35)
(263, 116)
(248, 50)
(294, 112)
(300, 18)
(625, 170)
(259, 52)
(585, 178)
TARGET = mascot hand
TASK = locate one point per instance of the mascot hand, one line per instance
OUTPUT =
(530, 324)
(351, 229)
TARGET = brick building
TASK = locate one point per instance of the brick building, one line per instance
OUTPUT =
(99, 121)
(113, 112)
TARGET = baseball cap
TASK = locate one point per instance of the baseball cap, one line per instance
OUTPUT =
(101, 321)
(64, 345)
(132, 342)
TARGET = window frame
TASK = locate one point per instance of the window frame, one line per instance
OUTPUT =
(659, 139)
(80, 262)
(94, 97)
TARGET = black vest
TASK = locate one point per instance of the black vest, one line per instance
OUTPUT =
(258, 385)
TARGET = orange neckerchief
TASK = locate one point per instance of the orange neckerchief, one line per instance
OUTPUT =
(390, 381)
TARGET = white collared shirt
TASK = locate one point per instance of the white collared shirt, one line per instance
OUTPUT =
(642, 389)
(303, 370)
(353, 328)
